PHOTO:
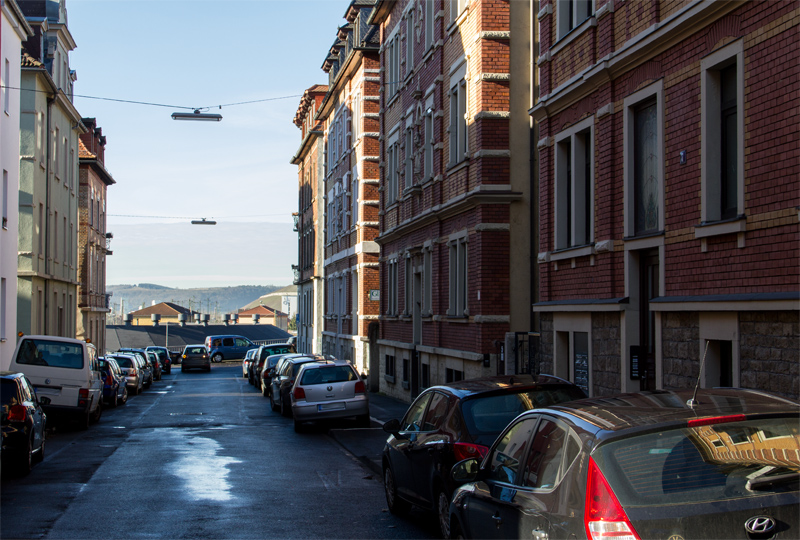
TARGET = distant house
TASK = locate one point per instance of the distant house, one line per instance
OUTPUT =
(168, 312)
(264, 315)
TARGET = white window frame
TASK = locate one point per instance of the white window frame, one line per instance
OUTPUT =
(710, 132)
(409, 42)
(456, 7)
(572, 189)
(655, 90)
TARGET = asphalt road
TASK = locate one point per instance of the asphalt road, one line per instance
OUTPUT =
(199, 455)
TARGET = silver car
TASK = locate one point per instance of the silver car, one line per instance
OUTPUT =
(134, 376)
(327, 390)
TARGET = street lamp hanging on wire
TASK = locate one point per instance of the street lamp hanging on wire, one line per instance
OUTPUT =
(197, 115)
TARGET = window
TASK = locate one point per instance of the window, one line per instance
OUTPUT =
(3, 301)
(458, 121)
(425, 376)
(408, 287)
(356, 195)
(55, 152)
(4, 201)
(392, 163)
(456, 7)
(41, 229)
(571, 13)
(722, 133)
(511, 452)
(453, 375)
(409, 162)
(458, 278)
(355, 119)
(392, 66)
(55, 236)
(6, 83)
(389, 373)
(413, 420)
(549, 446)
(644, 175)
(406, 372)
(429, 14)
(437, 411)
(574, 186)
(391, 297)
(428, 148)
(409, 42)
(427, 281)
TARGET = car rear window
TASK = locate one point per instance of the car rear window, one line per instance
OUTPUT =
(486, 416)
(196, 350)
(704, 463)
(8, 392)
(123, 362)
(51, 353)
(325, 375)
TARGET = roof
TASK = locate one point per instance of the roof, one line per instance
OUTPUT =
(163, 308)
(646, 409)
(259, 310)
(84, 152)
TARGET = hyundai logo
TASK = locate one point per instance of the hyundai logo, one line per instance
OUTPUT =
(759, 525)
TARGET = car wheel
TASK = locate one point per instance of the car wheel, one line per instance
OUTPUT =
(264, 390)
(39, 457)
(217, 358)
(443, 511)
(113, 401)
(26, 459)
(455, 530)
(397, 506)
(208, 369)
(84, 421)
(98, 412)
(272, 404)
(124, 399)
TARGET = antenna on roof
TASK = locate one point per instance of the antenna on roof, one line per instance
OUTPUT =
(693, 402)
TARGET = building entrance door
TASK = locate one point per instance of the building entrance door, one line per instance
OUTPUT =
(648, 289)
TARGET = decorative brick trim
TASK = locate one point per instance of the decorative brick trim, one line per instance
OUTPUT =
(495, 77)
(493, 34)
(543, 58)
(544, 12)
(605, 110)
(491, 319)
(492, 227)
(493, 115)
(605, 9)
(545, 142)
(491, 153)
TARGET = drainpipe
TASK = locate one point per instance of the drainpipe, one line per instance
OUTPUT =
(47, 268)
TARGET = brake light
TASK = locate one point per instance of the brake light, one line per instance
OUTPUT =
(360, 388)
(17, 413)
(83, 396)
(603, 516)
(466, 451)
(299, 393)
(710, 421)
(109, 379)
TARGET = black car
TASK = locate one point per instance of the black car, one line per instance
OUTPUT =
(452, 422)
(283, 381)
(638, 466)
(257, 365)
(163, 358)
(23, 423)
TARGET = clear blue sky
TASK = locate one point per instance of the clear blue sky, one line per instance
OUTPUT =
(200, 53)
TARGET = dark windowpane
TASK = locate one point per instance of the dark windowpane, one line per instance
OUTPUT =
(645, 177)
(729, 121)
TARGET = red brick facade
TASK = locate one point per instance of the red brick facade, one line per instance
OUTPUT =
(719, 284)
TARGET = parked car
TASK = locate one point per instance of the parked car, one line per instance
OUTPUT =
(23, 423)
(163, 357)
(195, 356)
(246, 361)
(283, 381)
(646, 465)
(130, 365)
(228, 347)
(64, 373)
(115, 391)
(145, 365)
(255, 368)
(155, 363)
(452, 422)
(268, 370)
(175, 356)
(328, 390)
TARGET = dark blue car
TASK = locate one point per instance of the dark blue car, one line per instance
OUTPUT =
(115, 389)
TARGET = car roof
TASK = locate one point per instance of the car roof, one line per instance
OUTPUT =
(498, 384)
(226, 335)
(659, 407)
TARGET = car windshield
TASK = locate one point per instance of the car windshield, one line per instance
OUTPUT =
(50, 353)
(487, 416)
(704, 463)
(124, 362)
(328, 374)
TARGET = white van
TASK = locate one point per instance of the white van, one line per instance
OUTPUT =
(64, 372)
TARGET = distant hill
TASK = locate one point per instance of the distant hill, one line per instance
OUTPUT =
(206, 300)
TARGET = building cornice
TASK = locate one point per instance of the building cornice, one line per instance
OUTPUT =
(304, 147)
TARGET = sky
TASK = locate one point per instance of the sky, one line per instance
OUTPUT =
(188, 54)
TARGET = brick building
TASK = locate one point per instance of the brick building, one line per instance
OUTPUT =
(669, 194)
(93, 302)
(455, 214)
(349, 113)
(309, 222)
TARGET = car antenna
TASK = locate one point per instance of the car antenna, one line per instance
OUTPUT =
(692, 403)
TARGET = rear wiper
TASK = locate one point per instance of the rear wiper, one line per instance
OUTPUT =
(762, 482)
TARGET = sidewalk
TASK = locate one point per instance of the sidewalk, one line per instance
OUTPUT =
(366, 444)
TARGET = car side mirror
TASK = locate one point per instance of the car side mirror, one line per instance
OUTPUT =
(465, 471)
(393, 427)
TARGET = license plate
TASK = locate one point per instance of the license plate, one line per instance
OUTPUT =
(330, 406)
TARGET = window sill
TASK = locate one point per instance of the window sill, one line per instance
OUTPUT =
(572, 252)
(719, 228)
(457, 166)
(389, 378)
(415, 189)
(406, 385)
(457, 318)
(572, 35)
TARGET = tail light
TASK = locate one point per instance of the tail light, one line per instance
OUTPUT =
(713, 420)
(17, 413)
(109, 379)
(603, 516)
(360, 387)
(83, 397)
(299, 393)
(466, 450)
